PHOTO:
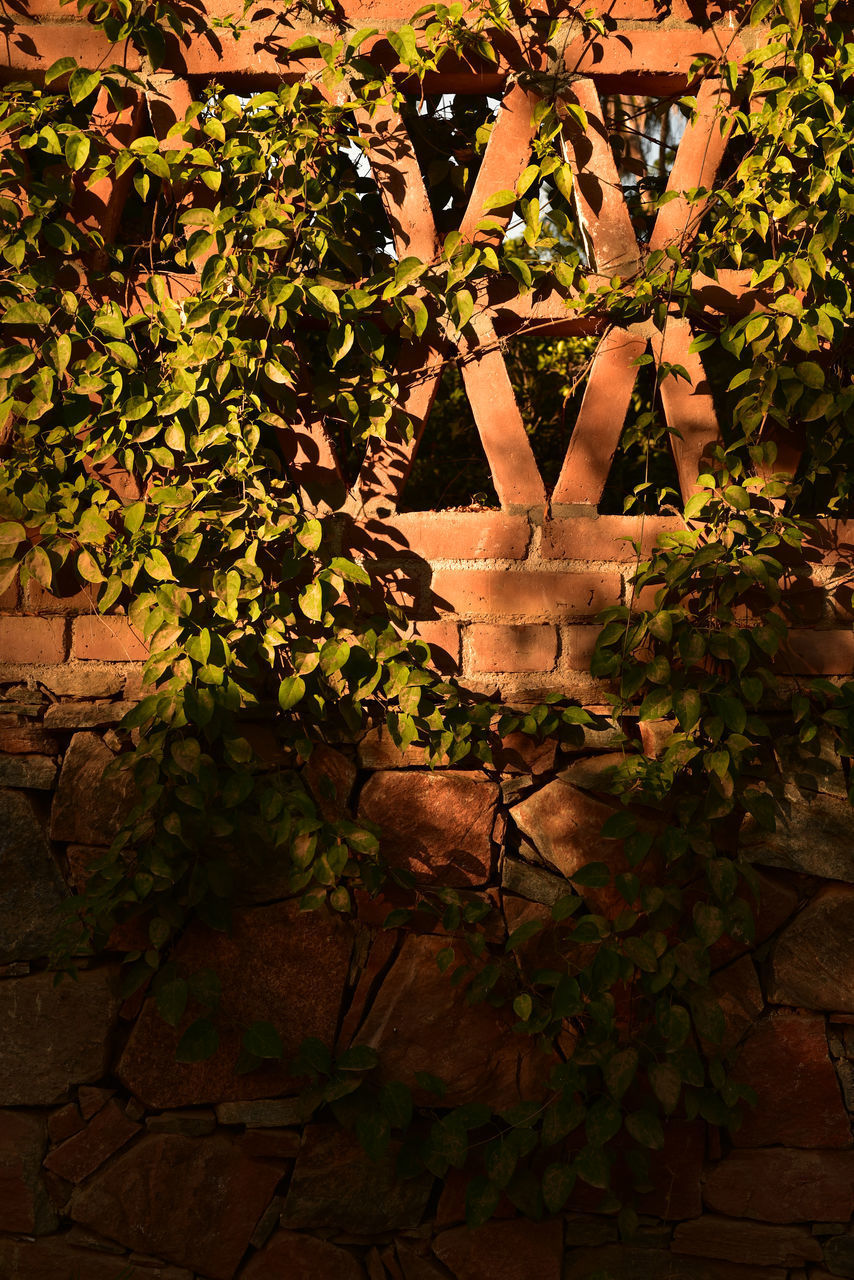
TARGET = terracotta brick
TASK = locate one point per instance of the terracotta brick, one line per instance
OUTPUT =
(493, 647)
(510, 593)
(444, 641)
(106, 639)
(603, 537)
(456, 535)
(577, 645)
(37, 600)
(36, 640)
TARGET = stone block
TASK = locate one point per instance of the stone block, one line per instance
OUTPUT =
(54, 1035)
(292, 1254)
(786, 1061)
(38, 773)
(419, 1022)
(438, 826)
(514, 1250)
(278, 964)
(89, 808)
(106, 1133)
(755, 1242)
(783, 1185)
(32, 885)
(623, 1262)
(335, 1185)
(812, 964)
(24, 1204)
(164, 1195)
(58, 1258)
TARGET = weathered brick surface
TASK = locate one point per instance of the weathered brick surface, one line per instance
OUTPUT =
(528, 595)
(106, 639)
(493, 647)
(32, 640)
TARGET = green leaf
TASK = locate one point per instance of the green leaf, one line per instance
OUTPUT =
(645, 1128)
(12, 535)
(666, 1085)
(333, 656)
(291, 691)
(325, 299)
(262, 1040)
(76, 150)
(558, 1181)
(361, 1057)
(82, 83)
(482, 1197)
(687, 705)
(62, 67)
(619, 1071)
(171, 1000)
(27, 313)
(311, 601)
(198, 1043)
(523, 1006)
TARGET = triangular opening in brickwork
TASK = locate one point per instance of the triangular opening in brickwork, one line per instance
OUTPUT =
(548, 376)
(449, 133)
(450, 469)
(643, 477)
(645, 133)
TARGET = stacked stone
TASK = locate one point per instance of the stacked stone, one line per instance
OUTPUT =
(116, 1160)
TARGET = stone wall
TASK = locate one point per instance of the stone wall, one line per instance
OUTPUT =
(116, 1161)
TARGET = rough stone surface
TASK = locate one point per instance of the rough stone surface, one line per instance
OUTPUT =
(777, 902)
(88, 809)
(270, 1113)
(59, 1259)
(24, 1205)
(54, 1035)
(620, 1262)
(814, 836)
(165, 1195)
(839, 1255)
(331, 778)
(785, 1059)
(675, 1172)
(438, 826)
(192, 1124)
(812, 965)
(533, 883)
(33, 771)
(74, 680)
(515, 1250)
(565, 824)
(278, 965)
(300, 1257)
(739, 995)
(336, 1185)
(106, 1133)
(32, 885)
(715, 1237)
(84, 715)
(419, 1022)
(783, 1185)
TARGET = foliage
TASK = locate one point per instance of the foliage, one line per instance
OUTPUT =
(153, 386)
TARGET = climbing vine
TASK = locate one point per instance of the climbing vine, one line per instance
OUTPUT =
(157, 381)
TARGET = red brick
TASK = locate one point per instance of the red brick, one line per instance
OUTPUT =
(444, 641)
(577, 646)
(36, 640)
(512, 593)
(37, 600)
(34, 48)
(453, 535)
(603, 537)
(107, 639)
(82, 1154)
(493, 647)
